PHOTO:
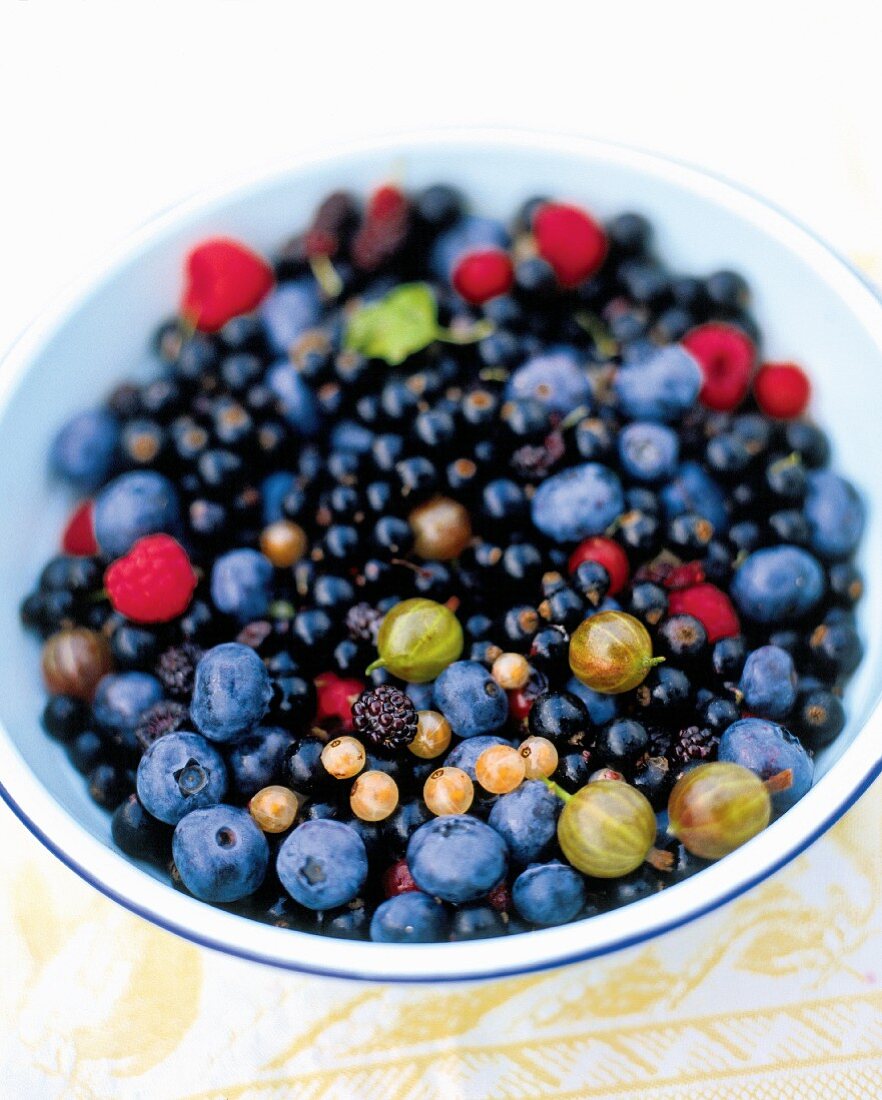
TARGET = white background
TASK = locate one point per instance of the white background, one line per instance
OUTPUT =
(111, 112)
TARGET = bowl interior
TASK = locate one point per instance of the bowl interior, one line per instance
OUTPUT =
(809, 306)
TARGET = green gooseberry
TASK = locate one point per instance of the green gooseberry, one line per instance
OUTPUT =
(611, 652)
(417, 640)
(606, 829)
(715, 808)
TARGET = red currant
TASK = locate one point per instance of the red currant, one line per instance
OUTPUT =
(782, 390)
(605, 552)
(335, 697)
(79, 534)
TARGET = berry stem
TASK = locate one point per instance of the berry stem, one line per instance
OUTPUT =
(326, 275)
(651, 662)
(563, 795)
(480, 330)
(379, 663)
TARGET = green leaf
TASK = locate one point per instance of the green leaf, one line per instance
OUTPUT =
(403, 322)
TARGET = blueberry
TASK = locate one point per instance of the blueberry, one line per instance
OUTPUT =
(178, 773)
(122, 697)
(526, 819)
(835, 515)
(295, 400)
(132, 506)
(662, 386)
(139, 834)
(241, 584)
(470, 699)
(693, 490)
(581, 501)
(322, 864)
(469, 233)
(409, 918)
(549, 893)
(554, 378)
(456, 858)
(220, 853)
(601, 708)
(648, 452)
(476, 922)
(288, 311)
(768, 682)
(231, 692)
(778, 584)
(465, 754)
(273, 491)
(767, 748)
(256, 761)
(84, 450)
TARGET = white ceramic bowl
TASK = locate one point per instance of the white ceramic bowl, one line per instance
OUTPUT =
(812, 307)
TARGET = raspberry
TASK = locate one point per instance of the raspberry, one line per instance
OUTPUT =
(726, 357)
(335, 698)
(223, 279)
(687, 575)
(386, 717)
(710, 606)
(781, 390)
(79, 534)
(398, 880)
(384, 229)
(692, 744)
(153, 583)
(609, 554)
(482, 275)
(571, 241)
(176, 669)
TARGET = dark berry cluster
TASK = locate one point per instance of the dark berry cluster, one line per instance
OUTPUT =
(432, 443)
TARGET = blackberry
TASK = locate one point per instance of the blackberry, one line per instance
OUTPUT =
(386, 717)
(534, 462)
(164, 717)
(176, 668)
(695, 744)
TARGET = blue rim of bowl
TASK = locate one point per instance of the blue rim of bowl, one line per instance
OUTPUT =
(613, 945)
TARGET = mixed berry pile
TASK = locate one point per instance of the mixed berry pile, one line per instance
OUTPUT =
(450, 578)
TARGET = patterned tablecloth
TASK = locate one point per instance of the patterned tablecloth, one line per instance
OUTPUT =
(777, 995)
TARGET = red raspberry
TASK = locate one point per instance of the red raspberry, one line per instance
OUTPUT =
(571, 241)
(398, 880)
(223, 279)
(609, 554)
(79, 534)
(726, 357)
(686, 575)
(710, 606)
(335, 698)
(153, 583)
(782, 390)
(480, 276)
